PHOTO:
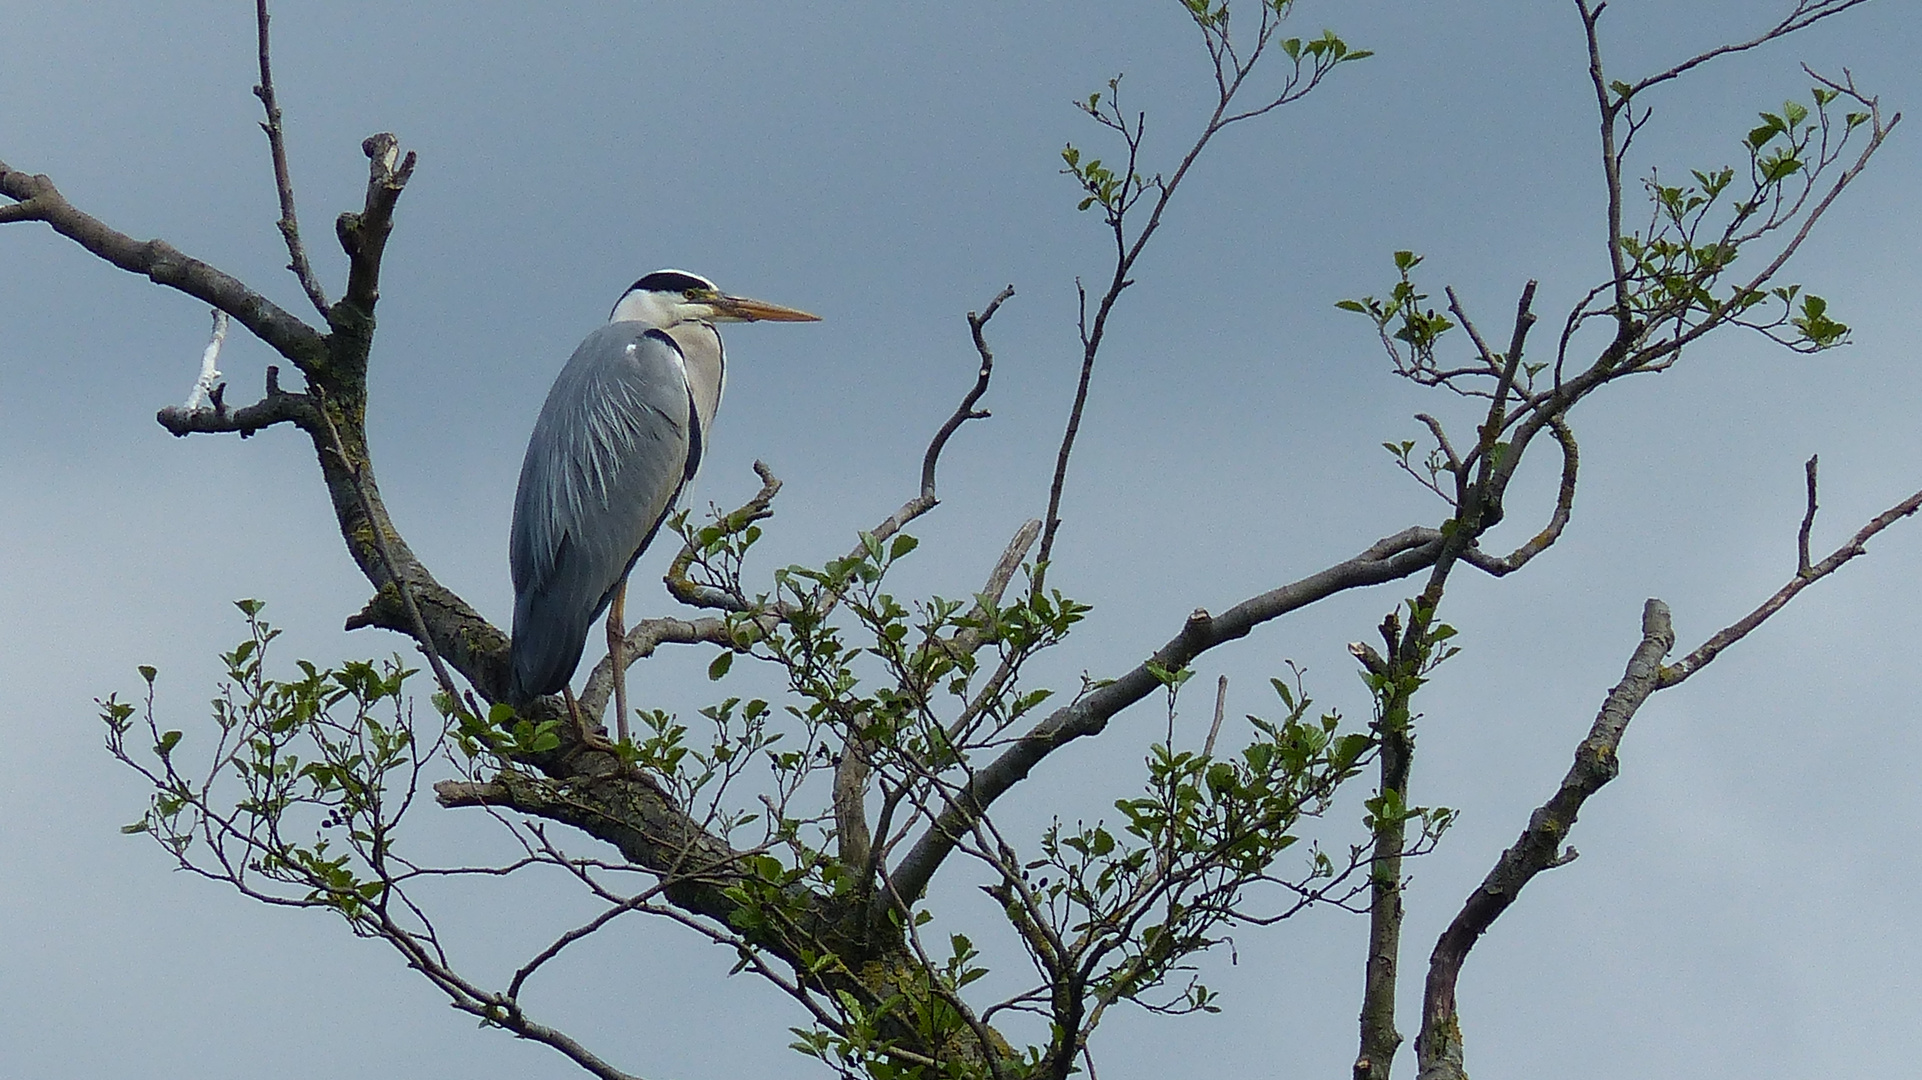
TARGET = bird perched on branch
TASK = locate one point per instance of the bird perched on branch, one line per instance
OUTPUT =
(621, 435)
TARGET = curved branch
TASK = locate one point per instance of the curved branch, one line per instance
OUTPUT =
(1558, 520)
(965, 411)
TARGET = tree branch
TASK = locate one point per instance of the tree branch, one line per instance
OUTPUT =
(278, 406)
(1558, 520)
(1439, 1048)
(289, 223)
(966, 410)
(364, 235)
(37, 199)
(1802, 567)
(1398, 556)
(649, 831)
(1806, 13)
(1856, 545)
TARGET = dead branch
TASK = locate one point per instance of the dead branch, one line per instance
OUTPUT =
(364, 235)
(1856, 545)
(278, 406)
(37, 199)
(965, 411)
(1802, 567)
(1438, 1047)
(289, 223)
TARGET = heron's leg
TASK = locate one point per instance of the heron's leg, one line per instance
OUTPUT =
(617, 656)
(589, 736)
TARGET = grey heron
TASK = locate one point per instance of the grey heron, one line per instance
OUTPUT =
(620, 437)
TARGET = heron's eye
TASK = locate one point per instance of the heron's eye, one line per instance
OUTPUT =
(692, 294)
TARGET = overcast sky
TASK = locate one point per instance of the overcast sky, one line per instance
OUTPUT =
(1744, 905)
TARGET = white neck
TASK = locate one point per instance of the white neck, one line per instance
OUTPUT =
(655, 309)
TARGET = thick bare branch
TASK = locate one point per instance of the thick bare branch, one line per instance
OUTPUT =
(364, 235)
(37, 199)
(417, 625)
(628, 811)
(1438, 1047)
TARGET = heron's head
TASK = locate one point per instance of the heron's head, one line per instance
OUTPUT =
(667, 298)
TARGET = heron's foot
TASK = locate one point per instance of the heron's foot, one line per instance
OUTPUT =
(592, 736)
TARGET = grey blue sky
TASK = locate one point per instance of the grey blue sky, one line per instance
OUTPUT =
(1745, 902)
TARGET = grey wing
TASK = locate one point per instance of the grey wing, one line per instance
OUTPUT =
(606, 460)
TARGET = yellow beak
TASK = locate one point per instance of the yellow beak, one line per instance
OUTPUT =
(742, 309)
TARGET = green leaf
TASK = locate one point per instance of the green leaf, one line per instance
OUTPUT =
(719, 665)
(148, 672)
(1287, 696)
(903, 543)
(249, 608)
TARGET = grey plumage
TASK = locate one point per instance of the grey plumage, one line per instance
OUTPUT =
(619, 439)
(618, 422)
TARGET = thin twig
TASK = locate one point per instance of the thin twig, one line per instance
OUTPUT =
(1805, 13)
(289, 223)
(1214, 729)
(1856, 545)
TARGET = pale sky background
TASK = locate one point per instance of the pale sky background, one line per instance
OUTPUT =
(1745, 903)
